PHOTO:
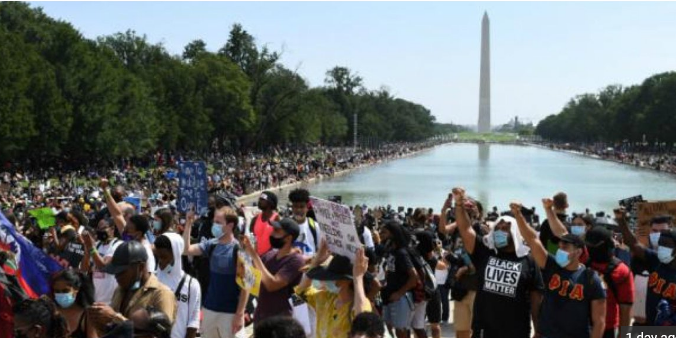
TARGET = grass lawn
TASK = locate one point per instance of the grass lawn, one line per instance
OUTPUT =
(487, 137)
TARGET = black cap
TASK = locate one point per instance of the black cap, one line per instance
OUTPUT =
(340, 268)
(288, 225)
(598, 236)
(572, 239)
(126, 254)
(270, 197)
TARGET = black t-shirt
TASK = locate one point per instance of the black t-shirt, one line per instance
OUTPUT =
(397, 265)
(547, 238)
(503, 297)
(73, 253)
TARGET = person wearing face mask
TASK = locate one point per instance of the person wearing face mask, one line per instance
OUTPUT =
(308, 240)
(617, 276)
(280, 269)
(574, 303)
(225, 303)
(101, 252)
(659, 263)
(73, 293)
(163, 221)
(137, 288)
(260, 225)
(335, 291)
(510, 283)
(581, 223)
(169, 248)
(38, 318)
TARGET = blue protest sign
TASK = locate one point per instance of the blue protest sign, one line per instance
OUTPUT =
(192, 187)
(135, 201)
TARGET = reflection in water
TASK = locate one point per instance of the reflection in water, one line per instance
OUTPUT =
(484, 153)
(484, 157)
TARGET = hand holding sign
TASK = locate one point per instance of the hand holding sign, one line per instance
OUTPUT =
(338, 228)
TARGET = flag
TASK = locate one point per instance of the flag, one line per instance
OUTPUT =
(33, 267)
(135, 201)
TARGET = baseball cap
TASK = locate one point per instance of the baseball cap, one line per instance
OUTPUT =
(597, 236)
(572, 239)
(126, 254)
(288, 225)
(270, 197)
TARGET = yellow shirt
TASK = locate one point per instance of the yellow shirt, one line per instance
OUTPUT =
(332, 322)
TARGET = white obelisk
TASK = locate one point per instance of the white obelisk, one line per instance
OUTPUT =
(485, 78)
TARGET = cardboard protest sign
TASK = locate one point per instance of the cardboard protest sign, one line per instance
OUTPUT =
(648, 210)
(248, 277)
(192, 187)
(45, 217)
(630, 203)
(337, 224)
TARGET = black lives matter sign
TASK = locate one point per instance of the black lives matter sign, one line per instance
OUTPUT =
(502, 277)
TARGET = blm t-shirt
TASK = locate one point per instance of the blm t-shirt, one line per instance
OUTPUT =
(276, 303)
(397, 265)
(661, 285)
(566, 307)
(503, 297)
(73, 253)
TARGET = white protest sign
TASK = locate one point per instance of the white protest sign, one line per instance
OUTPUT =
(337, 224)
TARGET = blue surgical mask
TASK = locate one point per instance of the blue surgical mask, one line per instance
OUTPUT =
(501, 239)
(65, 300)
(654, 239)
(664, 254)
(217, 230)
(562, 258)
(577, 230)
(331, 287)
(157, 225)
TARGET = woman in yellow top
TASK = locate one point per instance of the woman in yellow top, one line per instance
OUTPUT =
(335, 292)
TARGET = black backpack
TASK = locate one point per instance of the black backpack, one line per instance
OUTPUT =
(425, 274)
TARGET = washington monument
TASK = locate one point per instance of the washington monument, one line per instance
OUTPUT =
(485, 78)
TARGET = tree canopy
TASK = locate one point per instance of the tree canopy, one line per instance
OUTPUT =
(120, 95)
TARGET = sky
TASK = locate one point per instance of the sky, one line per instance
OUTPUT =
(542, 53)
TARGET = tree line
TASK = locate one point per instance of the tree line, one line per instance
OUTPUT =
(645, 112)
(66, 96)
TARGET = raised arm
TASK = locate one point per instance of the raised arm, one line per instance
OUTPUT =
(190, 249)
(530, 236)
(444, 227)
(358, 270)
(272, 282)
(113, 208)
(558, 229)
(637, 249)
(462, 220)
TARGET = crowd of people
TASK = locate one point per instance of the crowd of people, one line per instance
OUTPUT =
(654, 158)
(159, 273)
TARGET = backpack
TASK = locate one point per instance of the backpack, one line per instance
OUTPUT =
(426, 287)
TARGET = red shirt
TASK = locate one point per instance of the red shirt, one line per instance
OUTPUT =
(262, 230)
(624, 285)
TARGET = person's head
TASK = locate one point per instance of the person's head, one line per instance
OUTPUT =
(600, 245)
(657, 225)
(581, 223)
(70, 287)
(137, 227)
(419, 217)
(569, 252)
(426, 243)
(284, 233)
(367, 325)
(118, 193)
(105, 230)
(61, 219)
(129, 265)
(299, 204)
(38, 318)
(225, 222)
(164, 252)
(502, 233)
(279, 327)
(267, 201)
(335, 277)
(666, 246)
(560, 202)
(395, 233)
(68, 234)
(163, 221)
(150, 322)
(128, 211)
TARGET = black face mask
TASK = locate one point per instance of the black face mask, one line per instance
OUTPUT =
(102, 235)
(276, 243)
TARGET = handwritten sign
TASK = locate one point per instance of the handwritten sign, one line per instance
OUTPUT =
(192, 187)
(45, 217)
(337, 224)
(248, 277)
(648, 210)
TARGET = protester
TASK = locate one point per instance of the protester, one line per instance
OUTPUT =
(225, 303)
(278, 327)
(367, 325)
(101, 254)
(260, 225)
(169, 247)
(38, 318)
(150, 322)
(73, 293)
(310, 233)
(163, 221)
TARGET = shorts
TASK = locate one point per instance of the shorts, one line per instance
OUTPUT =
(217, 324)
(399, 314)
(434, 308)
(462, 312)
(418, 320)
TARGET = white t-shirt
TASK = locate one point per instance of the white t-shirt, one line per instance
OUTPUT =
(305, 240)
(368, 238)
(151, 258)
(105, 283)
(188, 308)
